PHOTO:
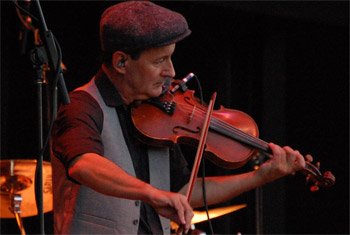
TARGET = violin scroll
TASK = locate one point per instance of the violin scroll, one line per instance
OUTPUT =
(313, 173)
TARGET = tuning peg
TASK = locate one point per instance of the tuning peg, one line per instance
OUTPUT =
(318, 165)
(329, 178)
(314, 187)
(255, 162)
(307, 178)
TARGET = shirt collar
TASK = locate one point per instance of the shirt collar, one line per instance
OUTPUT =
(107, 90)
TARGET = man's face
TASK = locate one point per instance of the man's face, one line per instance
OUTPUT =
(146, 75)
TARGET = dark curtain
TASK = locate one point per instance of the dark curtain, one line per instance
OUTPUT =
(283, 63)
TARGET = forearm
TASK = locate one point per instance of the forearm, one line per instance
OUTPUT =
(284, 162)
(222, 188)
(102, 175)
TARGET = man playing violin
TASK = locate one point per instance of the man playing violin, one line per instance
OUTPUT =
(106, 180)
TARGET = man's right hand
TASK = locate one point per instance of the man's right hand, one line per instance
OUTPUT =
(173, 206)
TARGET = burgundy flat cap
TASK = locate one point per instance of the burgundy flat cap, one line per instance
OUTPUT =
(137, 25)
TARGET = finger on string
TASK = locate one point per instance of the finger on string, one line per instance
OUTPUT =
(276, 150)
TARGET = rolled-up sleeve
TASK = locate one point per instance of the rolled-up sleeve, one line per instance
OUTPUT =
(77, 129)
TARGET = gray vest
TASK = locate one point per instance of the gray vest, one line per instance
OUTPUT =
(95, 213)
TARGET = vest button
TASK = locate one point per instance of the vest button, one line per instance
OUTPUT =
(135, 221)
(137, 203)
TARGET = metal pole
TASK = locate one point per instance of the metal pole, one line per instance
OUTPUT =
(39, 167)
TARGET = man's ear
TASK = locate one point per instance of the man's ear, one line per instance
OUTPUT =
(118, 61)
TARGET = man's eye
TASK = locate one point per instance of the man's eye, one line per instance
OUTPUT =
(160, 61)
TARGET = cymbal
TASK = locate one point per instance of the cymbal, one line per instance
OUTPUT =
(200, 216)
(18, 177)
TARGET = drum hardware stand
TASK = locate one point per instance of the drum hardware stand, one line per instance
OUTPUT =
(17, 189)
(11, 185)
(16, 200)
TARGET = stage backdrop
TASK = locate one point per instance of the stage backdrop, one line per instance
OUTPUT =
(284, 63)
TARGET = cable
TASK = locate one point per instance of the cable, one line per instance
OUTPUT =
(205, 197)
(59, 61)
(203, 167)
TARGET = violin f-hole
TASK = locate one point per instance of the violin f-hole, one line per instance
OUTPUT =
(186, 129)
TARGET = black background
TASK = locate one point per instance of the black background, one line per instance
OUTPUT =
(284, 63)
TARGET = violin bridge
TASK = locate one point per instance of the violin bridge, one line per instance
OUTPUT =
(192, 113)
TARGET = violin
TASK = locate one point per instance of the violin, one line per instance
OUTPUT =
(232, 138)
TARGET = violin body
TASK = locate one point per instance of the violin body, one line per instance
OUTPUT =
(231, 141)
(160, 128)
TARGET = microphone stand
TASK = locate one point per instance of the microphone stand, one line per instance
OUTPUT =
(38, 58)
(256, 161)
(55, 65)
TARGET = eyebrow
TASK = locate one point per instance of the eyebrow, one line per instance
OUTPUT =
(162, 57)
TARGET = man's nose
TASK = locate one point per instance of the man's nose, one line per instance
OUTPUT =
(169, 70)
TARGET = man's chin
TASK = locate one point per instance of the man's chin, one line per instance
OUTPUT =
(157, 92)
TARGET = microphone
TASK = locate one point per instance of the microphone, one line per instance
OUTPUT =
(166, 86)
(182, 84)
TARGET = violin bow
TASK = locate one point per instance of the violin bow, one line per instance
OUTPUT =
(200, 149)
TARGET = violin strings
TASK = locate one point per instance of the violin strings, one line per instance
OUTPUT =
(241, 135)
(227, 129)
(223, 127)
